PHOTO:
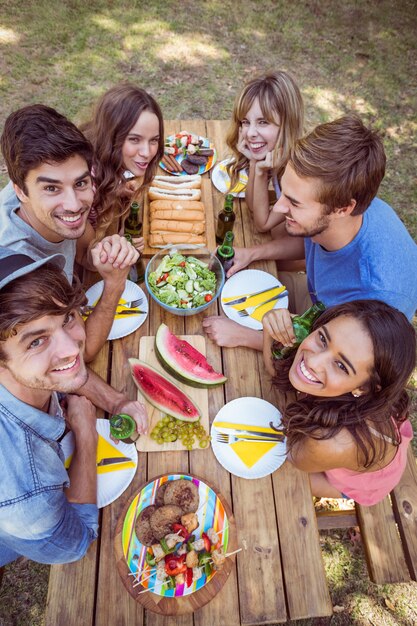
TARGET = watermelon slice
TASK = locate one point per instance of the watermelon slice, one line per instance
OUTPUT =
(162, 393)
(183, 361)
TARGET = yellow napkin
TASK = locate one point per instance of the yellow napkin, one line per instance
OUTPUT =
(255, 300)
(261, 429)
(243, 179)
(106, 450)
(119, 309)
(250, 452)
(261, 310)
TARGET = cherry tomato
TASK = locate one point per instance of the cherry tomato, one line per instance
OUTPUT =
(175, 565)
(179, 529)
(165, 276)
(207, 542)
(182, 264)
(188, 577)
(208, 297)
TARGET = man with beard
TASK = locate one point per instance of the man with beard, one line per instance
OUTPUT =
(354, 244)
(44, 209)
(46, 513)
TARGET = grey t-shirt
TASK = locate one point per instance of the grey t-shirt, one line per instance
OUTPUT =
(19, 236)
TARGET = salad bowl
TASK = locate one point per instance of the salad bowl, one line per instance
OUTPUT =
(182, 283)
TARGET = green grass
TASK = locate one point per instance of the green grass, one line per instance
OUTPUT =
(193, 57)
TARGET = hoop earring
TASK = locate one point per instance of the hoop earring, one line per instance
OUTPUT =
(355, 395)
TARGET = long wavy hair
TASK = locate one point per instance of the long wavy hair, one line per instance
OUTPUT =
(281, 103)
(115, 115)
(383, 406)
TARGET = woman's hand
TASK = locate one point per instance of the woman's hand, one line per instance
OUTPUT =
(278, 325)
(265, 164)
(242, 146)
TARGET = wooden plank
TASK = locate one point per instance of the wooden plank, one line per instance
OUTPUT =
(114, 604)
(327, 520)
(404, 503)
(261, 588)
(79, 578)
(382, 544)
(224, 608)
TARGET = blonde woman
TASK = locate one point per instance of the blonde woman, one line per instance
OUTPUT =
(268, 118)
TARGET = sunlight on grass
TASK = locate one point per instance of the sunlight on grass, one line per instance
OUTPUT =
(107, 23)
(336, 104)
(7, 35)
(193, 52)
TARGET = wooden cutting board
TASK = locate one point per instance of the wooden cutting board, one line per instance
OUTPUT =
(206, 198)
(199, 396)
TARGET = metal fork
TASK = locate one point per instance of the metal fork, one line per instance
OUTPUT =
(226, 438)
(85, 310)
(251, 309)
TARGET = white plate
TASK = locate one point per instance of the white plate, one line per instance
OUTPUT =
(130, 323)
(249, 281)
(221, 180)
(112, 484)
(180, 157)
(250, 411)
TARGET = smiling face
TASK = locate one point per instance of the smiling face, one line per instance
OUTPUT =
(261, 135)
(58, 199)
(304, 216)
(141, 143)
(335, 359)
(45, 355)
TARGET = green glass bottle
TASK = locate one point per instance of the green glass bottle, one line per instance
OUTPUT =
(302, 325)
(137, 271)
(225, 252)
(123, 427)
(225, 219)
(133, 223)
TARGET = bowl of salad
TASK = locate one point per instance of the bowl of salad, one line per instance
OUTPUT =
(182, 283)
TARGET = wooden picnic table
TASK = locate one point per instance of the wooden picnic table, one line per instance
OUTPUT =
(279, 575)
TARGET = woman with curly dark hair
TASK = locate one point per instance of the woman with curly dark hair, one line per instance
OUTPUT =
(127, 133)
(344, 404)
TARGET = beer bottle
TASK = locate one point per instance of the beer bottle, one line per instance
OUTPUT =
(302, 325)
(123, 427)
(133, 223)
(137, 271)
(225, 252)
(225, 219)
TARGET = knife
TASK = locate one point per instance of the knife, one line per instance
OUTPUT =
(111, 460)
(240, 299)
(241, 432)
(252, 428)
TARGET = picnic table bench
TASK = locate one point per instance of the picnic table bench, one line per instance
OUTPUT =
(279, 575)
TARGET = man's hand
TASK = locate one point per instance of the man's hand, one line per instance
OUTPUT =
(278, 325)
(80, 416)
(135, 409)
(243, 257)
(114, 251)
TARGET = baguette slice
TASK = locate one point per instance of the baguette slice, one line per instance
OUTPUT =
(177, 205)
(157, 226)
(156, 193)
(158, 240)
(187, 215)
(180, 182)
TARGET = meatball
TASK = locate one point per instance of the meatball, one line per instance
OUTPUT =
(163, 518)
(182, 493)
(143, 528)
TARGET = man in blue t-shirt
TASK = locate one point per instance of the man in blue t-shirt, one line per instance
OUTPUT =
(354, 244)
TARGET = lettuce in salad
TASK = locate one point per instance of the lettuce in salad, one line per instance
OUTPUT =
(183, 282)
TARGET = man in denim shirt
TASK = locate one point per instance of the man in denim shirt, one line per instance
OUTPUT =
(46, 513)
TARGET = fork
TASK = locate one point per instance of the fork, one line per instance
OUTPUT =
(240, 299)
(251, 309)
(87, 309)
(226, 438)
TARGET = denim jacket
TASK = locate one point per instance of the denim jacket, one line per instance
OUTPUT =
(36, 519)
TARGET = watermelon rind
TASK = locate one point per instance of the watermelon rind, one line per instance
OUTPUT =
(173, 367)
(176, 402)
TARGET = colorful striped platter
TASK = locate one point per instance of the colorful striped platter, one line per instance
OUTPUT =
(211, 514)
